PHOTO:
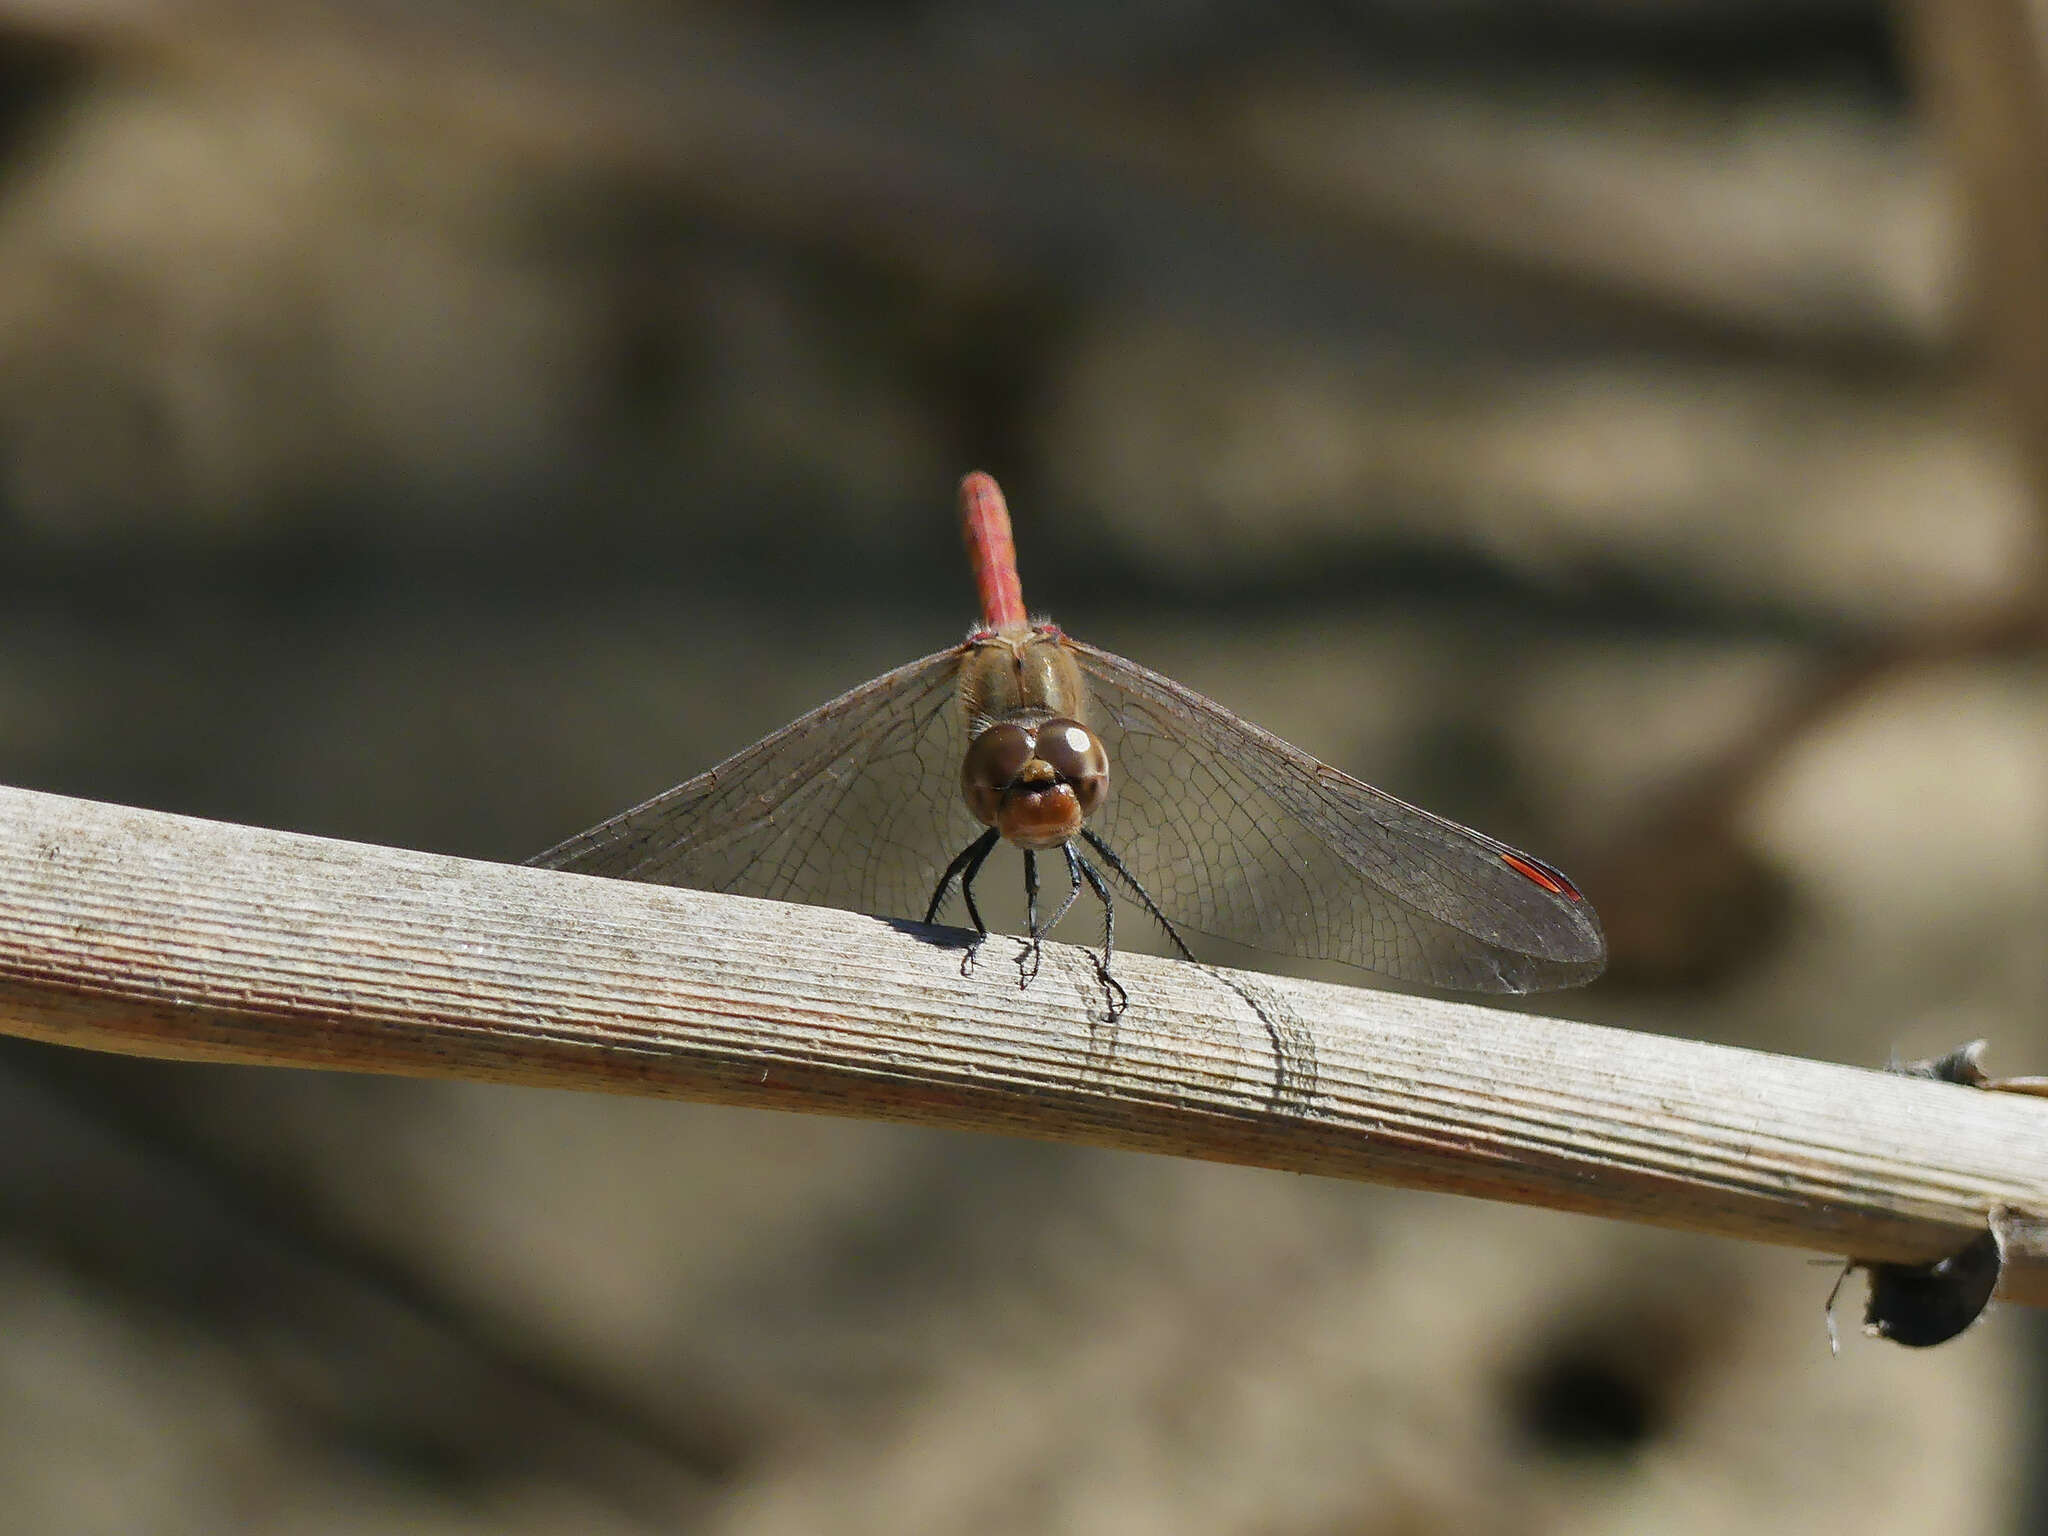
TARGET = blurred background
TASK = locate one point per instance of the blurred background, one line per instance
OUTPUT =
(1621, 426)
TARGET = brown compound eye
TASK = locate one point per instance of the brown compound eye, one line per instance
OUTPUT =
(1073, 752)
(991, 766)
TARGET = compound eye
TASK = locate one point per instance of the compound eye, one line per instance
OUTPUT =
(1077, 755)
(993, 761)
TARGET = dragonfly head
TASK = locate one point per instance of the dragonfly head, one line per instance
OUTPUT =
(1036, 782)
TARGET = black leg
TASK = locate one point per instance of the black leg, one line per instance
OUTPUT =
(1028, 959)
(966, 864)
(1034, 940)
(1073, 888)
(1116, 866)
(1118, 998)
(984, 845)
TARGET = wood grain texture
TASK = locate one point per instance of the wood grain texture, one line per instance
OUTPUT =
(158, 935)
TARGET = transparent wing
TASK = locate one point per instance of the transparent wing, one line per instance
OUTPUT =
(1237, 834)
(854, 805)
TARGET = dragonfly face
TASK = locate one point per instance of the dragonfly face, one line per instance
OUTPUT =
(1035, 778)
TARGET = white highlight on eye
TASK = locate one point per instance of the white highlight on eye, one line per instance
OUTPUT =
(1077, 739)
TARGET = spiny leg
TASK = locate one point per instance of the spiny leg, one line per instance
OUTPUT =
(1073, 889)
(1117, 998)
(1028, 958)
(983, 847)
(1034, 941)
(1144, 897)
(966, 864)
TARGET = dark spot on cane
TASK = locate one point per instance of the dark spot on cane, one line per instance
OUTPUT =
(1927, 1304)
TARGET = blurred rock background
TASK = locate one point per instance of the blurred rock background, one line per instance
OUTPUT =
(1618, 425)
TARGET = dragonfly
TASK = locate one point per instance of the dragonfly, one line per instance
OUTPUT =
(891, 798)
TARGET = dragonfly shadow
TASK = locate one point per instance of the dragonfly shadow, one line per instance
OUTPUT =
(1291, 1038)
(970, 946)
(938, 935)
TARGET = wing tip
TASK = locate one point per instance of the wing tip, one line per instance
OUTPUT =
(1518, 973)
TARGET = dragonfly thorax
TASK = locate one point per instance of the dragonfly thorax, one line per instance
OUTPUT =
(1006, 672)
